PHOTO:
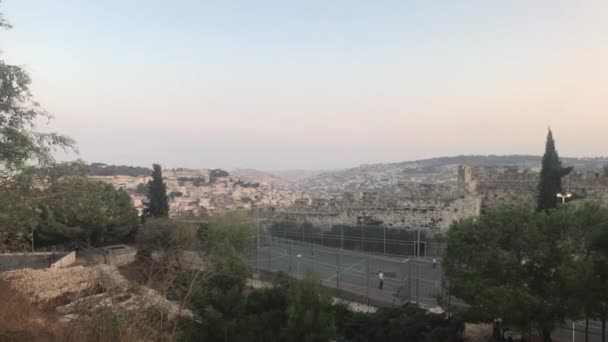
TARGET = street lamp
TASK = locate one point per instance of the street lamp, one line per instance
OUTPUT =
(298, 260)
(563, 196)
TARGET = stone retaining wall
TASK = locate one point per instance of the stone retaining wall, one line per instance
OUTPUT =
(67, 260)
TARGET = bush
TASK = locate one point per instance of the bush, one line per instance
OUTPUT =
(165, 236)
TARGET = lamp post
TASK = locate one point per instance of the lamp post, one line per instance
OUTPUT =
(298, 266)
(563, 196)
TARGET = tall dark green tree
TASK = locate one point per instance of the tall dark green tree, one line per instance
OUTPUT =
(551, 175)
(157, 205)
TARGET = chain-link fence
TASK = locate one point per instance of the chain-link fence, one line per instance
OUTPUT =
(379, 239)
(353, 261)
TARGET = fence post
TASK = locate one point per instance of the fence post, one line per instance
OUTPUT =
(409, 279)
(322, 236)
(363, 238)
(384, 227)
(290, 257)
(255, 245)
(270, 255)
(367, 280)
(338, 260)
(418, 282)
(341, 237)
(313, 259)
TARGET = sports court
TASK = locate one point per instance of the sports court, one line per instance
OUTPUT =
(405, 278)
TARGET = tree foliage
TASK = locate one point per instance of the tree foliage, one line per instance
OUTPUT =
(25, 152)
(157, 204)
(551, 175)
(21, 144)
(531, 268)
(101, 169)
(231, 230)
(215, 174)
(586, 273)
(168, 237)
(406, 323)
(82, 208)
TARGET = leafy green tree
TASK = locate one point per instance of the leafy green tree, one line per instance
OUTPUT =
(101, 169)
(406, 323)
(157, 205)
(141, 189)
(220, 302)
(508, 263)
(309, 312)
(168, 237)
(265, 314)
(551, 175)
(23, 150)
(233, 230)
(82, 208)
(587, 271)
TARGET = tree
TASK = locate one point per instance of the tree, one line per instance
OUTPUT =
(232, 230)
(551, 175)
(509, 263)
(24, 150)
(587, 272)
(170, 238)
(309, 312)
(406, 323)
(265, 313)
(220, 302)
(157, 205)
(20, 143)
(82, 208)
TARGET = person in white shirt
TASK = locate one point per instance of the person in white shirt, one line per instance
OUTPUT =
(381, 278)
(434, 262)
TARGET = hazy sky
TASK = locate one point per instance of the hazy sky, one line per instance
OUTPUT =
(315, 84)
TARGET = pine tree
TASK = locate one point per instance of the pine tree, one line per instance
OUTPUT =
(551, 175)
(157, 205)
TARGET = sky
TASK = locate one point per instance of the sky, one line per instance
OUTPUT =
(314, 84)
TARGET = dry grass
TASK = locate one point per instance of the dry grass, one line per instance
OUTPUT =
(22, 321)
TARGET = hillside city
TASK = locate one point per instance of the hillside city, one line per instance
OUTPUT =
(243, 172)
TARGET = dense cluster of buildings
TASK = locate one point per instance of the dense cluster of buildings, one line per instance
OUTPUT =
(383, 200)
(201, 192)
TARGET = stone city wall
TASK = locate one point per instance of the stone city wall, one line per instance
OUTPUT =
(436, 206)
(500, 185)
(407, 206)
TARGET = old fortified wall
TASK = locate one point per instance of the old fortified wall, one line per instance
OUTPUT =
(436, 206)
(499, 185)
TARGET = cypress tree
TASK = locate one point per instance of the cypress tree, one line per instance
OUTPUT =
(551, 175)
(157, 205)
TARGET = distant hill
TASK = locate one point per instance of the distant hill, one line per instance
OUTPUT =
(523, 161)
(441, 163)
(279, 177)
(370, 176)
(101, 169)
(433, 170)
